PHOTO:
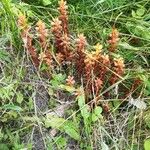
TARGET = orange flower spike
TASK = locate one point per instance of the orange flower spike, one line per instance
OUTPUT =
(27, 39)
(65, 44)
(70, 81)
(98, 48)
(98, 85)
(57, 32)
(118, 69)
(22, 22)
(80, 55)
(59, 57)
(42, 56)
(63, 16)
(23, 25)
(46, 57)
(42, 33)
(119, 65)
(56, 26)
(81, 42)
(114, 38)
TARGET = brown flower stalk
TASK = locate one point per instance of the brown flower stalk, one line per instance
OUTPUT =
(42, 33)
(136, 83)
(118, 69)
(80, 55)
(114, 38)
(104, 66)
(57, 32)
(65, 45)
(46, 57)
(27, 39)
(63, 16)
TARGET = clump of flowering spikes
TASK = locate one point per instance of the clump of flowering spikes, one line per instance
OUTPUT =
(96, 65)
(62, 41)
(114, 38)
(63, 16)
(61, 33)
(27, 39)
(80, 55)
(118, 68)
(102, 62)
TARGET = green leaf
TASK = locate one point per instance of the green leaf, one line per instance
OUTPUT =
(12, 107)
(96, 114)
(133, 14)
(71, 130)
(140, 12)
(54, 122)
(4, 56)
(67, 88)
(84, 108)
(127, 46)
(3, 146)
(46, 2)
(98, 110)
(147, 119)
(147, 144)
(19, 97)
(61, 142)
(57, 79)
(63, 125)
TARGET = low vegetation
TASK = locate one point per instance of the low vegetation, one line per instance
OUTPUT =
(76, 76)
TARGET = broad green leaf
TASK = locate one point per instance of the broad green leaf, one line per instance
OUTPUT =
(71, 131)
(12, 107)
(54, 122)
(63, 125)
(147, 144)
